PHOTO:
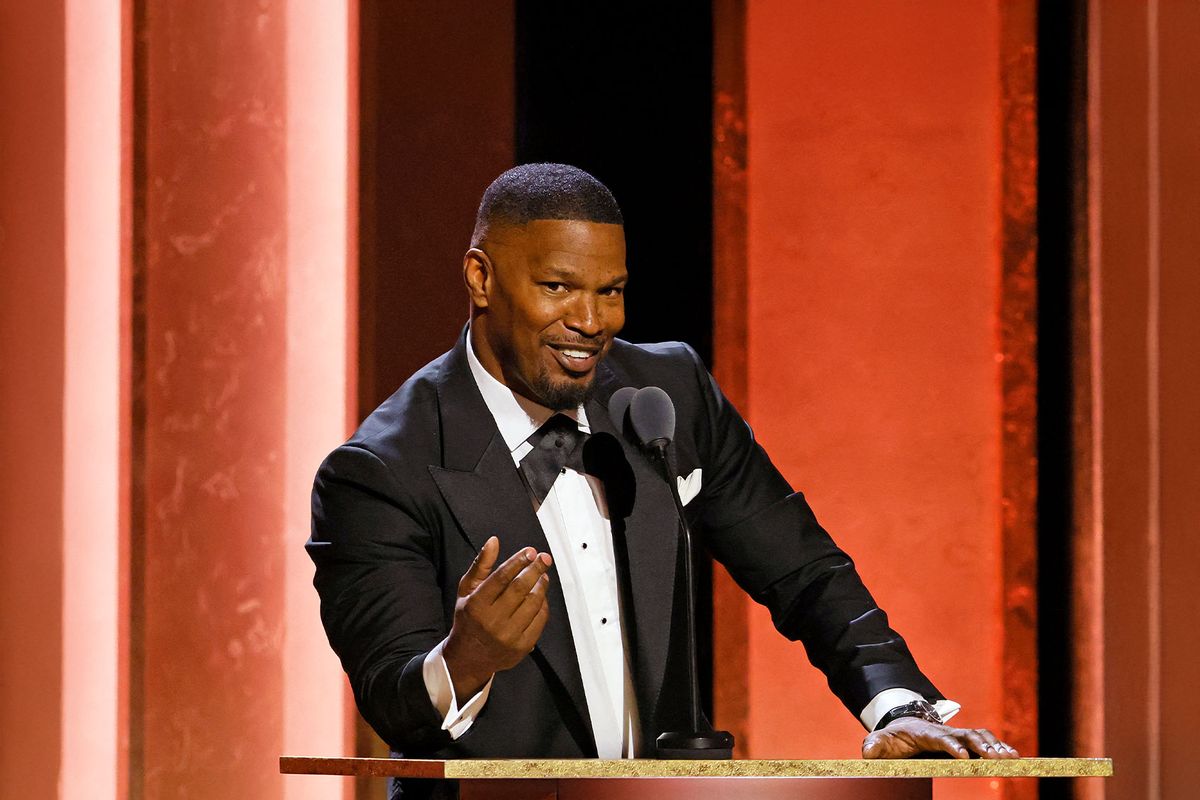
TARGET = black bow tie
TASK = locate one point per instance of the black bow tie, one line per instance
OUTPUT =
(558, 444)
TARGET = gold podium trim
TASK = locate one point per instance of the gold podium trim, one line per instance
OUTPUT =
(562, 769)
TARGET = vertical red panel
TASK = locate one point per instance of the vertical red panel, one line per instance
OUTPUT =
(125, 459)
(1138, 594)
(437, 127)
(62, 251)
(32, 328)
(1017, 316)
(1087, 585)
(730, 604)
(873, 283)
(1122, 372)
(214, 327)
(1178, 130)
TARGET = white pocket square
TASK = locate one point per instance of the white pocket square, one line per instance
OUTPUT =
(689, 487)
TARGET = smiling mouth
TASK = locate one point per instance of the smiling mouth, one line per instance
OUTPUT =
(575, 359)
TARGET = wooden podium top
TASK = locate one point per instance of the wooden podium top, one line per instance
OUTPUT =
(560, 769)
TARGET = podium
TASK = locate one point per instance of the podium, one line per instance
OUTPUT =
(591, 779)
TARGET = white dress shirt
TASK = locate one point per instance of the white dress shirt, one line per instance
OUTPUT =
(574, 517)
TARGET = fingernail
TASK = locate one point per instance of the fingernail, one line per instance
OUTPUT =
(546, 559)
(527, 554)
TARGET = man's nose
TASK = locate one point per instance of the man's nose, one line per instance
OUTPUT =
(583, 316)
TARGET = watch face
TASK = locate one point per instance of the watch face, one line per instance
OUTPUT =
(926, 711)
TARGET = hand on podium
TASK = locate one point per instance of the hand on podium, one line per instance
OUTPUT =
(911, 736)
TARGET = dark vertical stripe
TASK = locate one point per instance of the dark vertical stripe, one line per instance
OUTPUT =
(625, 91)
(1062, 95)
(140, 79)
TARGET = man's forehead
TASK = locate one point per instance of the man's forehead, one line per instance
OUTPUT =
(560, 235)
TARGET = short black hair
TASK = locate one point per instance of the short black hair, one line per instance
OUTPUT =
(544, 191)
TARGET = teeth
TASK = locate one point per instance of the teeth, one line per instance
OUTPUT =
(575, 353)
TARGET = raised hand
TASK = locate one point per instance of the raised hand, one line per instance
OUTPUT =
(910, 736)
(498, 617)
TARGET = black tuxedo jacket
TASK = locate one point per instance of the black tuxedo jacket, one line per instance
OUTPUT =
(402, 508)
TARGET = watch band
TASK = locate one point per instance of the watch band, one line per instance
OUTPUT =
(917, 708)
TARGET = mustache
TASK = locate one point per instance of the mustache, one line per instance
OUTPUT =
(593, 341)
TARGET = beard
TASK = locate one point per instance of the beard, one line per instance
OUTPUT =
(563, 396)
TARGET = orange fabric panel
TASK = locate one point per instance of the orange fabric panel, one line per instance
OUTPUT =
(872, 374)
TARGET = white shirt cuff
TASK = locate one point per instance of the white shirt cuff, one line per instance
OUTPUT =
(441, 693)
(888, 699)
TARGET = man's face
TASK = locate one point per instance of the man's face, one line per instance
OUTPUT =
(548, 305)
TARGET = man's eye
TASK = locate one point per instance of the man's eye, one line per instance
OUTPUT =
(613, 291)
(554, 288)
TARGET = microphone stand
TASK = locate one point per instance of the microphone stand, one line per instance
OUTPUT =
(696, 743)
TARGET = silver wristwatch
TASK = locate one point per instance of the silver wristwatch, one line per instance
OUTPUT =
(917, 708)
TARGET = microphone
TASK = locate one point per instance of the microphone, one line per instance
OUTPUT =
(652, 416)
(618, 406)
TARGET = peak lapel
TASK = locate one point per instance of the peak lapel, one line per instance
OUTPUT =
(483, 489)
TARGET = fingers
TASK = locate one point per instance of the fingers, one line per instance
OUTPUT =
(993, 747)
(495, 585)
(875, 746)
(1006, 750)
(517, 591)
(480, 567)
(507, 586)
(979, 744)
(530, 603)
(949, 744)
(984, 743)
(533, 610)
(533, 631)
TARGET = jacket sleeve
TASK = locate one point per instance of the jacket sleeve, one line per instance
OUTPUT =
(768, 539)
(381, 602)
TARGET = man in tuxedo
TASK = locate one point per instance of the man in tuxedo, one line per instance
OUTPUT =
(497, 560)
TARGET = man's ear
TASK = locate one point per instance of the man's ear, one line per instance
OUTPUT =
(479, 276)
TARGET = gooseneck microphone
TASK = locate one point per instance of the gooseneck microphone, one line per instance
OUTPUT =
(652, 416)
